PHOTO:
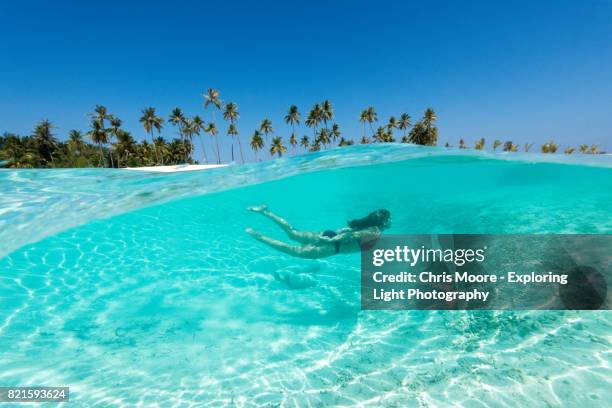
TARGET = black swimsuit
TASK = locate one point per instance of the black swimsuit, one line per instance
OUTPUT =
(331, 234)
(364, 245)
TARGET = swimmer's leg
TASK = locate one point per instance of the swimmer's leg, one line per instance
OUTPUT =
(304, 237)
(305, 251)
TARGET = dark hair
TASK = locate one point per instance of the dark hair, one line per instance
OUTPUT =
(377, 218)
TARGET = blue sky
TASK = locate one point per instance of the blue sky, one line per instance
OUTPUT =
(516, 70)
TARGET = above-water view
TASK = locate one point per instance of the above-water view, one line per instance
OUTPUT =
(140, 289)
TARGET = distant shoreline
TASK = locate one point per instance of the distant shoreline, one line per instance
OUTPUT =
(177, 168)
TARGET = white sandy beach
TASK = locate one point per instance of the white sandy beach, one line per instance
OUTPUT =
(177, 168)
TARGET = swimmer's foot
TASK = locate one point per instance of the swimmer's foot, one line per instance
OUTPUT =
(258, 208)
(253, 233)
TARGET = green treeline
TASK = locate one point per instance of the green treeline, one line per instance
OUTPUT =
(106, 144)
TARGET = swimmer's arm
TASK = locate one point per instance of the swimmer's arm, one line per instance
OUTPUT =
(350, 236)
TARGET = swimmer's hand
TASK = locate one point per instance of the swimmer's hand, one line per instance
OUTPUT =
(258, 208)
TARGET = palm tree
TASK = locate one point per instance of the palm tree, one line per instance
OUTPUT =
(430, 131)
(371, 116)
(324, 137)
(462, 144)
(510, 147)
(496, 144)
(363, 118)
(189, 129)
(113, 130)
(151, 121)
(311, 122)
(266, 127)
(594, 149)
(231, 113)
(124, 147)
(584, 148)
(99, 136)
(101, 114)
(379, 136)
(528, 146)
(388, 136)
(429, 117)
(404, 124)
(277, 147)
(391, 124)
(75, 142)
(46, 142)
(293, 142)
(424, 131)
(233, 131)
(142, 155)
(314, 118)
(550, 147)
(344, 142)
(178, 119)
(162, 148)
(257, 142)
(480, 144)
(212, 129)
(335, 132)
(211, 97)
(569, 150)
(315, 146)
(364, 140)
(292, 118)
(179, 150)
(553, 146)
(326, 112)
(304, 142)
(198, 128)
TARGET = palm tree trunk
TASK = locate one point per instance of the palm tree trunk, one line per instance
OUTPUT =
(217, 141)
(203, 148)
(218, 151)
(183, 142)
(101, 156)
(162, 157)
(155, 148)
(240, 146)
(190, 147)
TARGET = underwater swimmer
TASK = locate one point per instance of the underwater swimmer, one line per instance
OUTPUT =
(359, 234)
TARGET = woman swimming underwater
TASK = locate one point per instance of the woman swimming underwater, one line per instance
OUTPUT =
(360, 234)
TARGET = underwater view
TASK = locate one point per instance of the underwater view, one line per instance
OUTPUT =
(139, 289)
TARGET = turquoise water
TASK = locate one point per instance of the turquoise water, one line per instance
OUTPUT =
(137, 288)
